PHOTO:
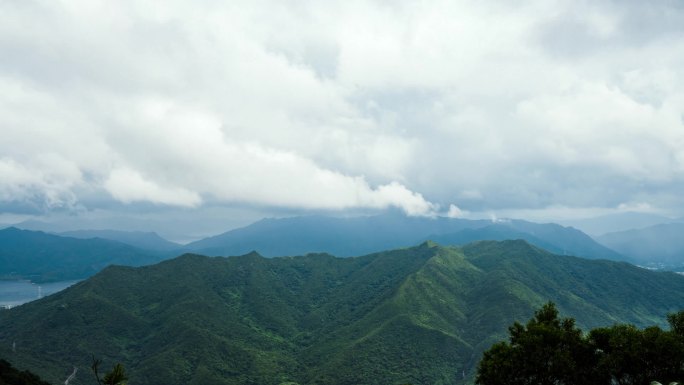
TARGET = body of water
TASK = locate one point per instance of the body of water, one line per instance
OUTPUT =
(16, 292)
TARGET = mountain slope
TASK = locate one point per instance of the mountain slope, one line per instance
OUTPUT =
(362, 235)
(12, 376)
(339, 236)
(496, 232)
(568, 239)
(420, 315)
(662, 243)
(45, 257)
(142, 240)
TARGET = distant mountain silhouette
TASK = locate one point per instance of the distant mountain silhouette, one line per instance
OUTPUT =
(139, 239)
(662, 243)
(363, 235)
(46, 257)
(618, 222)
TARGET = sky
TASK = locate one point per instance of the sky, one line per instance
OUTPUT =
(190, 116)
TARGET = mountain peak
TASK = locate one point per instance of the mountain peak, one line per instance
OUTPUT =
(11, 229)
(253, 254)
(429, 244)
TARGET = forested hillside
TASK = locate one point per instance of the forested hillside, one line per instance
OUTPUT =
(417, 315)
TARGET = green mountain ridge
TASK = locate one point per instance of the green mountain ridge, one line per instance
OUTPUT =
(419, 315)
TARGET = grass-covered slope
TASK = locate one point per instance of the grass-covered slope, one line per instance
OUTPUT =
(45, 257)
(419, 315)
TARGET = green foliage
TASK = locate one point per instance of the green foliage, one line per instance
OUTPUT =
(11, 376)
(117, 376)
(549, 351)
(545, 351)
(632, 356)
(676, 321)
(420, 315)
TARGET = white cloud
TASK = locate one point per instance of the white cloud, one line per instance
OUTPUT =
(47, 181)
(338, 105)
(129, 186)
(455, 212)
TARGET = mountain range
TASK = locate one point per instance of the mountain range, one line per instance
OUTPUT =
(618, 222)
(46, 257)
(142, 240)
(363, 235)
(78, 254)
(660, 245)
(414, 315)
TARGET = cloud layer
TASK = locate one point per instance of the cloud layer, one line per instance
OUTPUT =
(494, 105)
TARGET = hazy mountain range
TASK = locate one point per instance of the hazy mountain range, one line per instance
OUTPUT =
(78, 254)
(420, 315)
(611, 223)
(659, 244)
(46, 257)
(139, 239)
(362, 235)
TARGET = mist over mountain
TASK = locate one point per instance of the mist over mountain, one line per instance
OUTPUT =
(662, 244)
(362, 235)
(422, 314)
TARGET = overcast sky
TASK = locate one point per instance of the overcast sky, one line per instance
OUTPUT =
(240, 109)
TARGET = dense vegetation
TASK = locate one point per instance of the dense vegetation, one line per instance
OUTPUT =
(43, 257)
(11, 376)
(550, 351)
(362, 235)
(418, 315)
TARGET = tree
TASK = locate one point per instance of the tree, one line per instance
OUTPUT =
(552, 351)
(11, 376)
(545, 351)
(629, 356)
(117, 376)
